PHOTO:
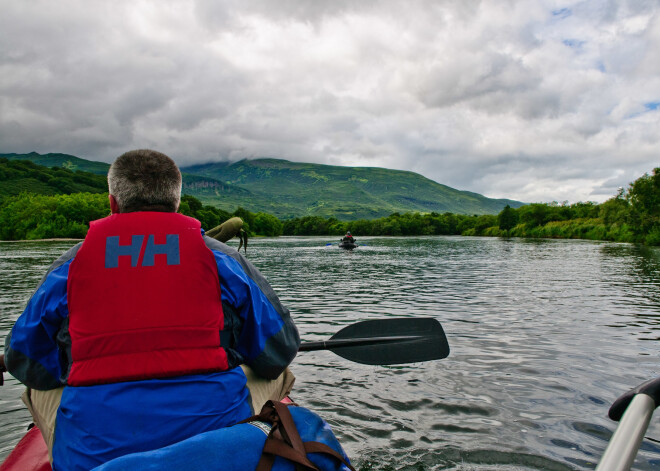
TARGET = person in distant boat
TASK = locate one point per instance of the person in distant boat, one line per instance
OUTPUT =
(135, 337)
(348, 238)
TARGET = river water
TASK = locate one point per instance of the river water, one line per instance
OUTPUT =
(544, 335)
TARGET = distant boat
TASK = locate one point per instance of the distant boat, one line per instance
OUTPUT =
(348, 244)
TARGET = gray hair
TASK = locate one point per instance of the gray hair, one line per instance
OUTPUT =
(145, 180)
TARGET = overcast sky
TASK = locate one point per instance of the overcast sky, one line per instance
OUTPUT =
(533, 100)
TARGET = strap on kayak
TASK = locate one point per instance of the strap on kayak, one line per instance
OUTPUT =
(284, 440)
(3, 369)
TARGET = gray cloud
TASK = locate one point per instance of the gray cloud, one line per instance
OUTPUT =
(535, 101)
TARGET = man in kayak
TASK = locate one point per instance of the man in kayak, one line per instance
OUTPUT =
(348, 238)
(134, 338)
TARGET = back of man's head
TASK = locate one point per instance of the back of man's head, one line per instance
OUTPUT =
(145, 180)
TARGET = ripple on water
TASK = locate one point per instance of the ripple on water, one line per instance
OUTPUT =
(544, 335)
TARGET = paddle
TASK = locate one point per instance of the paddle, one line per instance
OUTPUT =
(633, 411)
(391, 341)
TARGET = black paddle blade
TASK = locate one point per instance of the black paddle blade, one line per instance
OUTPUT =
(391, 341)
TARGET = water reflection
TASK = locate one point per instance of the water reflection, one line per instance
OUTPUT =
(642, 265)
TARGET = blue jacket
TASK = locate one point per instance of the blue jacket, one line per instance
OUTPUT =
(98, 423)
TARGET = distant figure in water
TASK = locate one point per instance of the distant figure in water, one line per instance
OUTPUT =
(348, 238)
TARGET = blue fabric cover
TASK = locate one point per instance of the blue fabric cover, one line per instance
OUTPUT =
(98, 423)
(233, 448)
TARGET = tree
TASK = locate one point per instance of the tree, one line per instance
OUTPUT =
(644, 198)
(245, 215)
(193, 203)
(267, 225)
(534, 214)
(508, 218)
(615, 211)
(208, 216)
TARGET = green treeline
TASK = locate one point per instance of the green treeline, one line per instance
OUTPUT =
(59, 211)
(30, 216)
(631, 216)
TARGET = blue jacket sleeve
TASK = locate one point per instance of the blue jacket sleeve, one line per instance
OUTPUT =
(31, 349)
(266, 337)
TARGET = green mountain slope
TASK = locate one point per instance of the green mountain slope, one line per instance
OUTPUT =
(61, 160)
(290, 189)
(200, 186)
(17, 176)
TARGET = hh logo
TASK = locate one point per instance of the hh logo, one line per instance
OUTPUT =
(113, 250)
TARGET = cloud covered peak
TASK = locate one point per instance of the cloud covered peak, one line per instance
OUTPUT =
(534, 101)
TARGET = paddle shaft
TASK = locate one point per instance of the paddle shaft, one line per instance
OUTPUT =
(623, 446)
(338, 343)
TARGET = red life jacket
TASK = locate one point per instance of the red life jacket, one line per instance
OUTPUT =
(144, 301)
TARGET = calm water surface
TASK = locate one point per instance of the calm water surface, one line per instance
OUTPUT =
(544, 336)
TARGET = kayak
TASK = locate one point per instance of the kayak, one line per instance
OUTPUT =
(633, 410)
(347, 245)
(30, 454)
(236, 447)
(381, 342)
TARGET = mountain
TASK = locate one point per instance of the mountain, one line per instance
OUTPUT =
(292, 189)
(61, 160)
(196, 185)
